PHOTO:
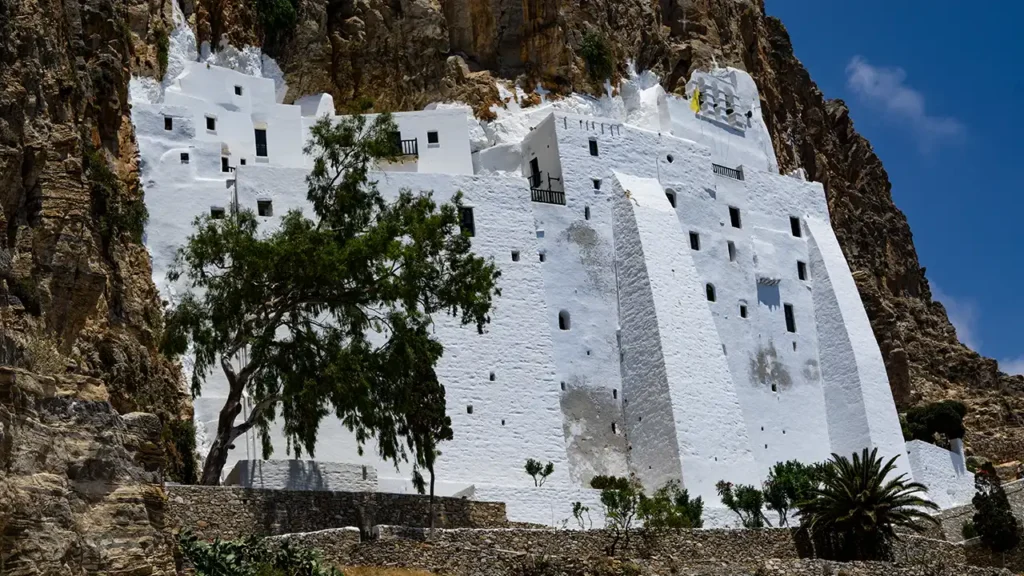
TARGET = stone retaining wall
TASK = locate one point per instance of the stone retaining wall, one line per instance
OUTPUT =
(953, 520)
(232, 512)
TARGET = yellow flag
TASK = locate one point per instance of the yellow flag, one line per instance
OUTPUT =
(695, 100)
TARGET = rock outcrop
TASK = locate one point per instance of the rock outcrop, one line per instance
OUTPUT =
(79, 485)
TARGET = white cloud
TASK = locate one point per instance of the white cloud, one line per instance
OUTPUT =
(885, 87)
(1013, 365)
(963, 314)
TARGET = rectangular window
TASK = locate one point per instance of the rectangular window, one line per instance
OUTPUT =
(242, 161)
(743, 311)
(535, 173)
(790, 320)
(211, 123)
(732, 251)
(264, 208)
(597, 183)
(801, 270)
(224, 164)
(466, 221)
(184, 157)
(216, 212)
(238, 90)
(734, 217)
(694, 241)
(794, 226)
(168, 123)
(593, 146)
(432, 138)
(261, 142)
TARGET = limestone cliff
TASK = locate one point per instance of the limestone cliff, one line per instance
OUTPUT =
(406, 53)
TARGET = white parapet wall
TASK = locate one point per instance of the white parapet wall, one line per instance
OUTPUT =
(943, 471)
(303, 475)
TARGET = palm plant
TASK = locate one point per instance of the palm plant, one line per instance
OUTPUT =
(856, 509)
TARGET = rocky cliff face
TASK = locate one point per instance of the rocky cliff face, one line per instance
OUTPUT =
(79, 485)
(406, 53)
(76, 295)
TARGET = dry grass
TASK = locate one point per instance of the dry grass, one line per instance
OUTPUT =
(371, 571)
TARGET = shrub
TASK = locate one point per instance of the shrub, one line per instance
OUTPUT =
(788, 484)
(945, 418)
(538, 471)
(277, 18)
(671, 507)
(620, 498)
(993, 519)
(597, 56)
(163, 46)
(179, 442)
(250, 557)
(968, 530)
(115, 213)
(578, 511)
(746, 501)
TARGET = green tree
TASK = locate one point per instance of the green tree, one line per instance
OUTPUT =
(620, 498)
(857, 506)
(539, 472)
(597, 55)
(671, 507)
(746, 501)
(426, 426)
(250, 557)
(945, 418)
(993, 517)
(578, 512)
(333, 315)
(788, 484)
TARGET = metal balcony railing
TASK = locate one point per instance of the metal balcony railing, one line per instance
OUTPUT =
(547, 196)
(409, 147)
(734, 173)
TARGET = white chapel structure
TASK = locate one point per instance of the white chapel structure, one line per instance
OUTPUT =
(671, 305)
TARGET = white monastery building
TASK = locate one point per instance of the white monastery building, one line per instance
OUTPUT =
(671, 305)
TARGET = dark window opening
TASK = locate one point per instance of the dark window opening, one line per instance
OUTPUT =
(264, 208)
(794, 226)
(242, 161)
(535, 173)
(615, 393)
(710, 290)
(211, 123)
(732, 251)
(466, 221)
(801, 270)
(671, 195)
(469, 409)
(224, 164)
(734, 217)
(775, 387)
(542, 257)
(432, 138)
(743, 311)
(564, 323)
(492, 376)
(502, 421)
(593, 146)
(615, 429)
(586, 212)
(563, 385)
(168, 123)
(515, 255)
(184, 157)
(597, 183)
(238, 90)
(694, 241)
(790, 320)
(216, 212)
(261, 143)
(670, 159)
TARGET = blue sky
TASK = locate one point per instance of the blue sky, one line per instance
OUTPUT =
(938, 92)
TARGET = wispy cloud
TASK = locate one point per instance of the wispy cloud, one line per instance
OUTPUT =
(963, 314)
(886, 87)
(1013, 365)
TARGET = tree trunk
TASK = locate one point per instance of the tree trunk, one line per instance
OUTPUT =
(431, 498)
(226, 434)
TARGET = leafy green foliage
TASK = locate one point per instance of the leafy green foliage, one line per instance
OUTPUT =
(597, 55)
(993, 519)
(856, 509)
(945, 418)
(114, 213)
(277, 19)
(250, 557)
(671, 507)
(578, 512)
(335, 316)
(746, 501)
(163, 47)
(620, 498)
(969, 530)
(539, 472)
(179, 442)
(788, 484)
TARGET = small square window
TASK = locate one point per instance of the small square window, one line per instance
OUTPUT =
(184, 157)
(466, 221)
(432, 137)
(515, 255)
(168, 123)
(743, 310)
(694, 241)
(801, 270)
(593, 146)
(216, 212)
(224, 164)
(242, 161)
(238, 90)
(211, 123)
(794, 226)
(265, 208)
(734, 217)
(790, 319)
(597, 183)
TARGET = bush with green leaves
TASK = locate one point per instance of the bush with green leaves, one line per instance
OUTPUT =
(539, 472)
(788, 484)
(860, 503)
(578, 512)
(163, 48)
(671, 507)
(277, 20)
(945, 418)
(993, 520)
(115, 213)
(250, 557)
(620, 498)
(597, 55)
(746, 501)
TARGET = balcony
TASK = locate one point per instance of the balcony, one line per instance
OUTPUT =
(734, 173)
(547, 196)
(408, 147)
